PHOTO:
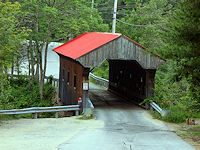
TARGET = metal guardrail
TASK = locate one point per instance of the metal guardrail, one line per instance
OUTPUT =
(100, 81)
(105, 83)
(156, 107)
(36, 110)
(89, 109)
(162, 112)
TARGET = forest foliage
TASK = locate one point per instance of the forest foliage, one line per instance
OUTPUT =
(169, 28)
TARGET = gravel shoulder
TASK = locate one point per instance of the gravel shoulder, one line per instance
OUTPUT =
(183, 130)
(186, 132)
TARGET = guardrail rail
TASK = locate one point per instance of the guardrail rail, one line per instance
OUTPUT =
(100, 81)
(36, 110)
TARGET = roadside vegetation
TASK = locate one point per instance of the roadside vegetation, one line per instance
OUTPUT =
(20, 94)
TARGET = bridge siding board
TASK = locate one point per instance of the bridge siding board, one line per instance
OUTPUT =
(120, 48)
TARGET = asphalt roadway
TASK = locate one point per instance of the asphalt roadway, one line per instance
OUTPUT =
(126, 127)
(119, 125)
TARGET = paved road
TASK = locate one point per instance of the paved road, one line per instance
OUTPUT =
(119, 125)
(126, 127)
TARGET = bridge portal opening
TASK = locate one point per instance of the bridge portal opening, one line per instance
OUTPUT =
(127, 78)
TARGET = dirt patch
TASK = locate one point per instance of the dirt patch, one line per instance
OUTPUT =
(189, 133)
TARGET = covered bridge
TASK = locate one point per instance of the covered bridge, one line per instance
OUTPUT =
(131, 67)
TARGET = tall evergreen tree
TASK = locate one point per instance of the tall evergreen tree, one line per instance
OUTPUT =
(182, 44)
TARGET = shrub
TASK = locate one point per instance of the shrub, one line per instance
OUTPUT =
(21, 95)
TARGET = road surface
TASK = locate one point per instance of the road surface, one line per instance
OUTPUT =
(119, 125)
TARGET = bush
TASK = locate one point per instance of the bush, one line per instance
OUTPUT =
(21, 94)
(177, 115)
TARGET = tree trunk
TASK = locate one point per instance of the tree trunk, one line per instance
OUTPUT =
(43, 71)
(12, 67)
(30, 59)
(18, 65)
(1, 79)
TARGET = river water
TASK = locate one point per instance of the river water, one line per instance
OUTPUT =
(53, 63)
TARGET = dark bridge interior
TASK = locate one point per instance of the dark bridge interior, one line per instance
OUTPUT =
(128, 79)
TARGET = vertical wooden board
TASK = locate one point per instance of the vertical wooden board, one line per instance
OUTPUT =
(142, 57)
(91, 57)
(110, 50)
(151, 61)
(96, 55)
(148, 61)
(130, 51)
(113, 50)
(103, 51)
(119, 48)
(87, 60)
(139, 56)
(136, 53)
(100, 57)
(129, 56)
(122, 50)
(107, 50)
(145, 59)
(126, 50)
(94, 58)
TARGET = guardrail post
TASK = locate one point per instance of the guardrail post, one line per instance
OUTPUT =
(35, 115)
(56, 115)
(76, 112)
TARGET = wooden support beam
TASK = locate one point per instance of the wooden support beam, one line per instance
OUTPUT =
(150, 74)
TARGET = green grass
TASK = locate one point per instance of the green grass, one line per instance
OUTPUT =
(84, 117)
(195, 131)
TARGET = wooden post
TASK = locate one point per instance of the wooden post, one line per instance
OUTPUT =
(85, 91)
(149, 85)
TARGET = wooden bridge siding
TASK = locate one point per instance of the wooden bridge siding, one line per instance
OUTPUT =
(120, 48)
(67, 93)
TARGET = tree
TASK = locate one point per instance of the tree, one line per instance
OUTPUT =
(11, 37)
(144, 22)
(181, 40)
(54, 20)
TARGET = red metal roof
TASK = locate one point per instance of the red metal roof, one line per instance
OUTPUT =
(85, 43)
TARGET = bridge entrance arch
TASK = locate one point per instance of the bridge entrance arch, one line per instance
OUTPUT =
(131, 67)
